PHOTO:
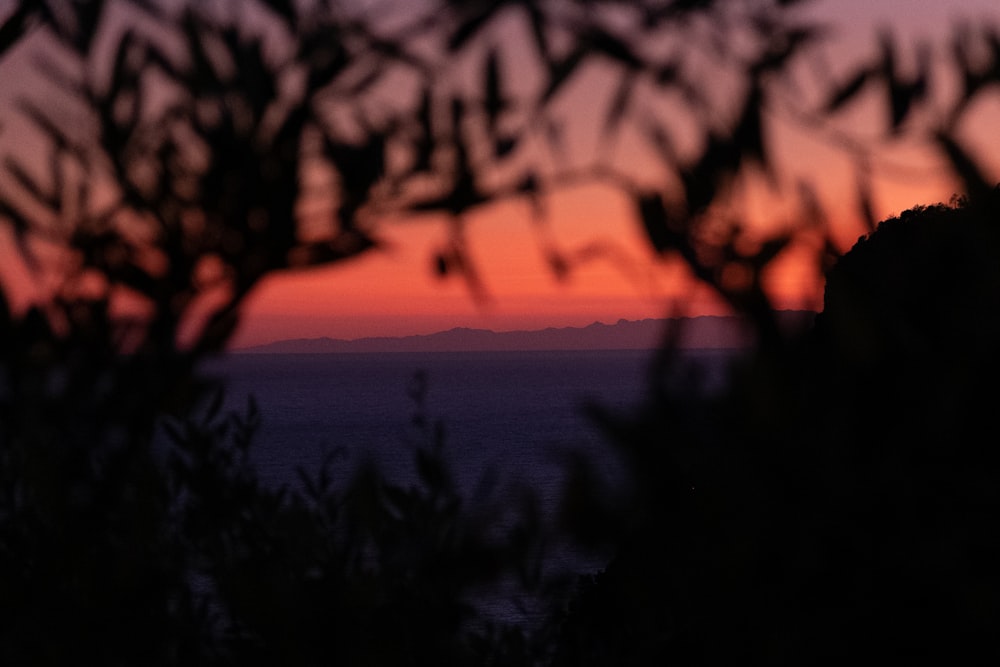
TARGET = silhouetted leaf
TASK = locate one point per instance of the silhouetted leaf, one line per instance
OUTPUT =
(28, 182)
(16, 25)
(971, 76)
(503, 146)
(217, 331)
(312, 490)
(423, 144)
(257, 82)
(214, 404)
(22, 227)
(360, 166)
(86, 16)
(560, 72)
(365, 83)
(134, 277)
(253, 411)
(441, 264)
(54, 132)
(5, 317)
(536, 20)
(395, 52)
(325, 478)
(458, 111)
(603, 42)
(283, 8)
(976, 185)
(654, 219)
(749, 131)
(769, 250)
(432, 471)
(555, 135)
(351, 242)
(477, 15)
(176, 431)
(205, 80)
(464, 193)
(850, 90)
(494, 102)
(813, 213)
(326, 57)
(787, 45)
(558, 264)
(667, 74)
(619, 105)
(719, 160)
(123, 75)
(865, 204)
(905, 94)
(529, 185)
(657, 136)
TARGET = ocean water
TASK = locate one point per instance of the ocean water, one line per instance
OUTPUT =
(516, 413)
(511, 417)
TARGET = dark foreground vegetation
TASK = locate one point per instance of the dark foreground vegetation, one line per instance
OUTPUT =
(841, 499)
(838, 500)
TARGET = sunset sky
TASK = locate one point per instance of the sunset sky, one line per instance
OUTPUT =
(393, 290)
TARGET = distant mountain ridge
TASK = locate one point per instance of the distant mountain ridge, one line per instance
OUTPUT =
(706, 332)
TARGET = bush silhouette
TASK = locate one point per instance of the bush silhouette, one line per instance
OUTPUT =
(840, 500)
(910, 311)
(906, 353)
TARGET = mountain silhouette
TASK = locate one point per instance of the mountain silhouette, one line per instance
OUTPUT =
(703, 332)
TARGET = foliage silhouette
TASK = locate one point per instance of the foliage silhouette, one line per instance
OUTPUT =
(795, 518)
(839, 500)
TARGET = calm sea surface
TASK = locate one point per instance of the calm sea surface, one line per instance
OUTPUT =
(515, 412)
(511, 416)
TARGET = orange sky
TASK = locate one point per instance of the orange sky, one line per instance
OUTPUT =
(393, 291)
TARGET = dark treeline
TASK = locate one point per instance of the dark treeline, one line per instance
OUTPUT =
(837, 501)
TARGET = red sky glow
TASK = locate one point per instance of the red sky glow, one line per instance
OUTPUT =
(393, 290)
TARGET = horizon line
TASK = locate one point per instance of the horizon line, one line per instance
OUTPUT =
(262, 347)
